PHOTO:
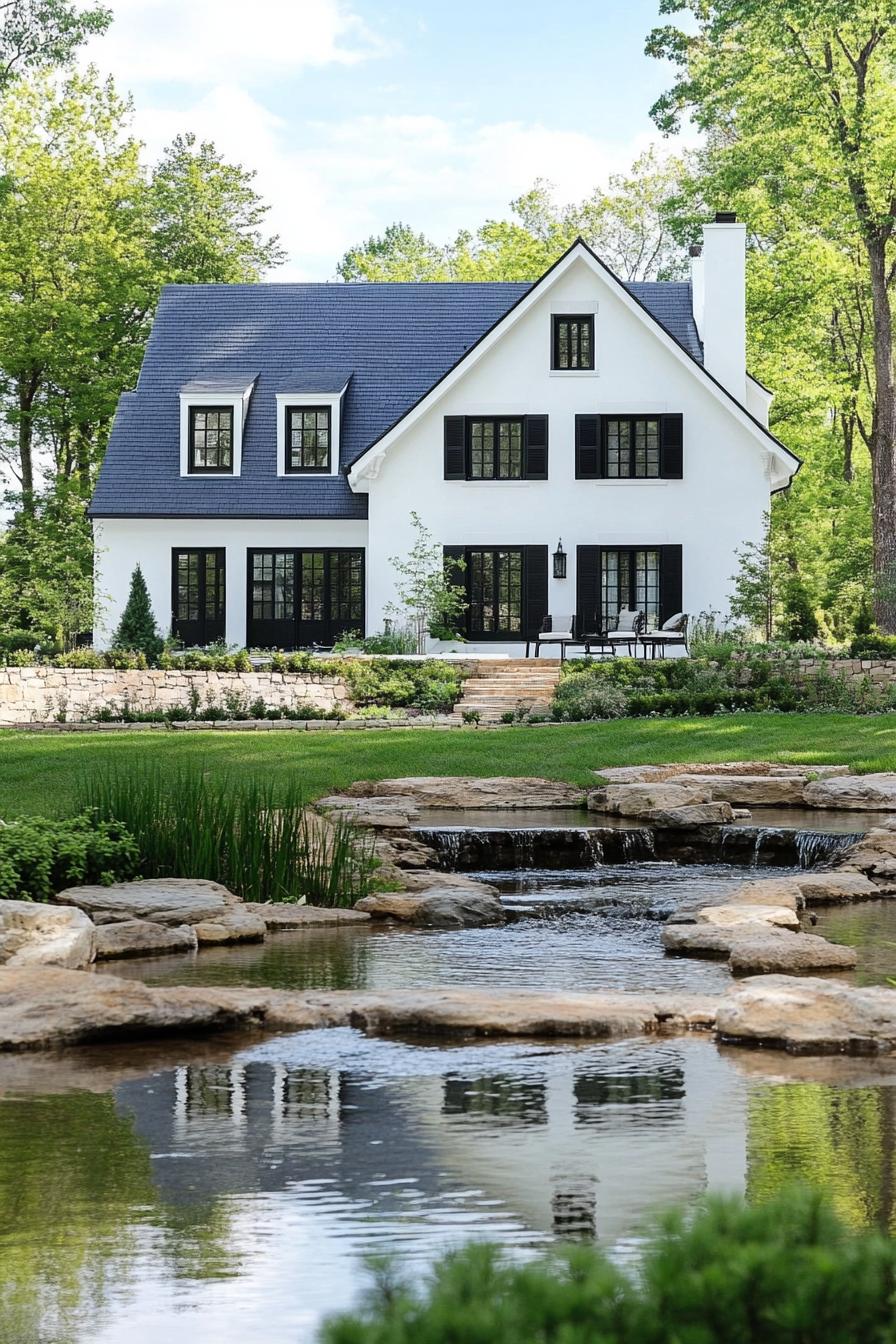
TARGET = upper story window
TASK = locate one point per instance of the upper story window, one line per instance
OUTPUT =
(211, 439)
(573, 341)
(308, 438)
(496, 448)
(632, 447)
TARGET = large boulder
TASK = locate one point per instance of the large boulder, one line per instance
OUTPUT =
(866, 793)
(809, 1016)
(447, 791)
(634, 800)
(441, 907)
(694, 814)
(875, 857)
(789, 953)
(34, 934)
(141, 938)
(166, 900)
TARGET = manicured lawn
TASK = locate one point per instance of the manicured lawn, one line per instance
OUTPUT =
(38, 774)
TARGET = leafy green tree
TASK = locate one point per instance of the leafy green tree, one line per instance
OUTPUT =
(755, 594)
(35, 34)
(46, 569)
(137, 628)
(207, 218)
(428, 595)
(798, 103)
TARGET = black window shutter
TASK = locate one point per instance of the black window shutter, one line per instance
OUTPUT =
(536, 465)
(456, 572)
(536, 589)
(588, 606)
(671, 451)
(588, 454)
(670, 582)
(455, 453)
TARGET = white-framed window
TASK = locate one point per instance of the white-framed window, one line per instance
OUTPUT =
(308, 433)
(211, 429)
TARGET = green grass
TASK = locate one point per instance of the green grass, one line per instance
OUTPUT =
(40, 773)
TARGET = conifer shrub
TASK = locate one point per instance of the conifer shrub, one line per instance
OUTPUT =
(137, 628)
(785, 1272)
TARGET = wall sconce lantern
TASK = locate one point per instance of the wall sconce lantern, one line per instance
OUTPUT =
(560, 561)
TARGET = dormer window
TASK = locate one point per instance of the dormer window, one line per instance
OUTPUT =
(573, 342)
(211, 439)
(308, 439)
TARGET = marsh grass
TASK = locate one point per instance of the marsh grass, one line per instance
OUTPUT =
(257, 839)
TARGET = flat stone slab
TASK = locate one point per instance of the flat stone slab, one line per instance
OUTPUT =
(639, 774)
(389, 812)
(712, 941)
(141, 938)
(867, 793)
(464, 791)
(692, 814)
(811, 1016)
(729, 916)
(236, 925)
(169, 900)
(635, 800)
(35, 934)
(836, 888)
(790, 953)
(287, 918)
(750, 790)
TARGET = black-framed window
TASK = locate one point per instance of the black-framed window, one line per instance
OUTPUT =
(630, 580)
(273, 579)
(505, 589)
(211, 439)
(496, 448)
(308, 438)
(573, 341)
(631, 446)
(198, 595)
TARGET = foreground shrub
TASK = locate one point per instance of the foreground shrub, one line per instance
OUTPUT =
(873, 646)
(433, 687)
(258, 840)
(40, 856)
(782, 1273)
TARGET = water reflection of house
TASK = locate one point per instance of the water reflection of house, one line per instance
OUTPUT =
(575, 1142)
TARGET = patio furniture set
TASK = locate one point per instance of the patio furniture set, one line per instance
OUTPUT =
(629, 632)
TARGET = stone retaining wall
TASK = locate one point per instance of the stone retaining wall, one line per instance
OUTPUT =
(881, 671)
(48, 694)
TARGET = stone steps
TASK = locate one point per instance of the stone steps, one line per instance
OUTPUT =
(494, 691)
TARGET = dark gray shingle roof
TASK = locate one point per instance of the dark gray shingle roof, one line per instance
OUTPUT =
(394, 341)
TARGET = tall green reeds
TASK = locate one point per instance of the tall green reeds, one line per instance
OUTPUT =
(261, 842)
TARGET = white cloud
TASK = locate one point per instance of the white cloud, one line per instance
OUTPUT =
(207, 42)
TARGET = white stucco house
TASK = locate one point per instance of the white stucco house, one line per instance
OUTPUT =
(265, 468)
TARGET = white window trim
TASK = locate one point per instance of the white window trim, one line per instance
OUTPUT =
(238, 402)
(587, 308)
(311, 400)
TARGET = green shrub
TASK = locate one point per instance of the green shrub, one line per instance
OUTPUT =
(258, 840)
(137, 629)
(431, 686)
(39, 857)
(787, 1272)
(395, 642)
(580, 698)
(873, 646)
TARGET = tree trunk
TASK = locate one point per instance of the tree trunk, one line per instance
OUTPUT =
(883, 443)
(26, 390)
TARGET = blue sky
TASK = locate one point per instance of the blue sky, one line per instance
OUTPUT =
(356, 113)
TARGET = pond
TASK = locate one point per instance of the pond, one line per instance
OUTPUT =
(230, 1192)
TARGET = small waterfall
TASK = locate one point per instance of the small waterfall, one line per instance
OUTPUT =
(815, 847)
(523, 845)
(449, 846)
(637, 845)
(594, 847)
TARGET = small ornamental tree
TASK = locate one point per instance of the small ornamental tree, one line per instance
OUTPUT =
(137, 629)
(427, 595)
(755, 595)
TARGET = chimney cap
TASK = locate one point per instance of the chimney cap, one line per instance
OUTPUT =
(726, 217)
(695, 250)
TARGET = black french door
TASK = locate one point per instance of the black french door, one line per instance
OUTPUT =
(300, 598)
(506, 590)
(197, 595)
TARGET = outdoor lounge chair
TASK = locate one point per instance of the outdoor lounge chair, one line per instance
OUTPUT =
(555, 630)
(629, 625)
(671, 632)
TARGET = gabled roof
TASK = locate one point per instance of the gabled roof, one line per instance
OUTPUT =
(391, 343)
(635, 302)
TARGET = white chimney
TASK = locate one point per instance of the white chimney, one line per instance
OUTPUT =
(718, 282)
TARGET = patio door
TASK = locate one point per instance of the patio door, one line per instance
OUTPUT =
(506, 590)
(197, 596)
(298, 598)
(640, 578)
